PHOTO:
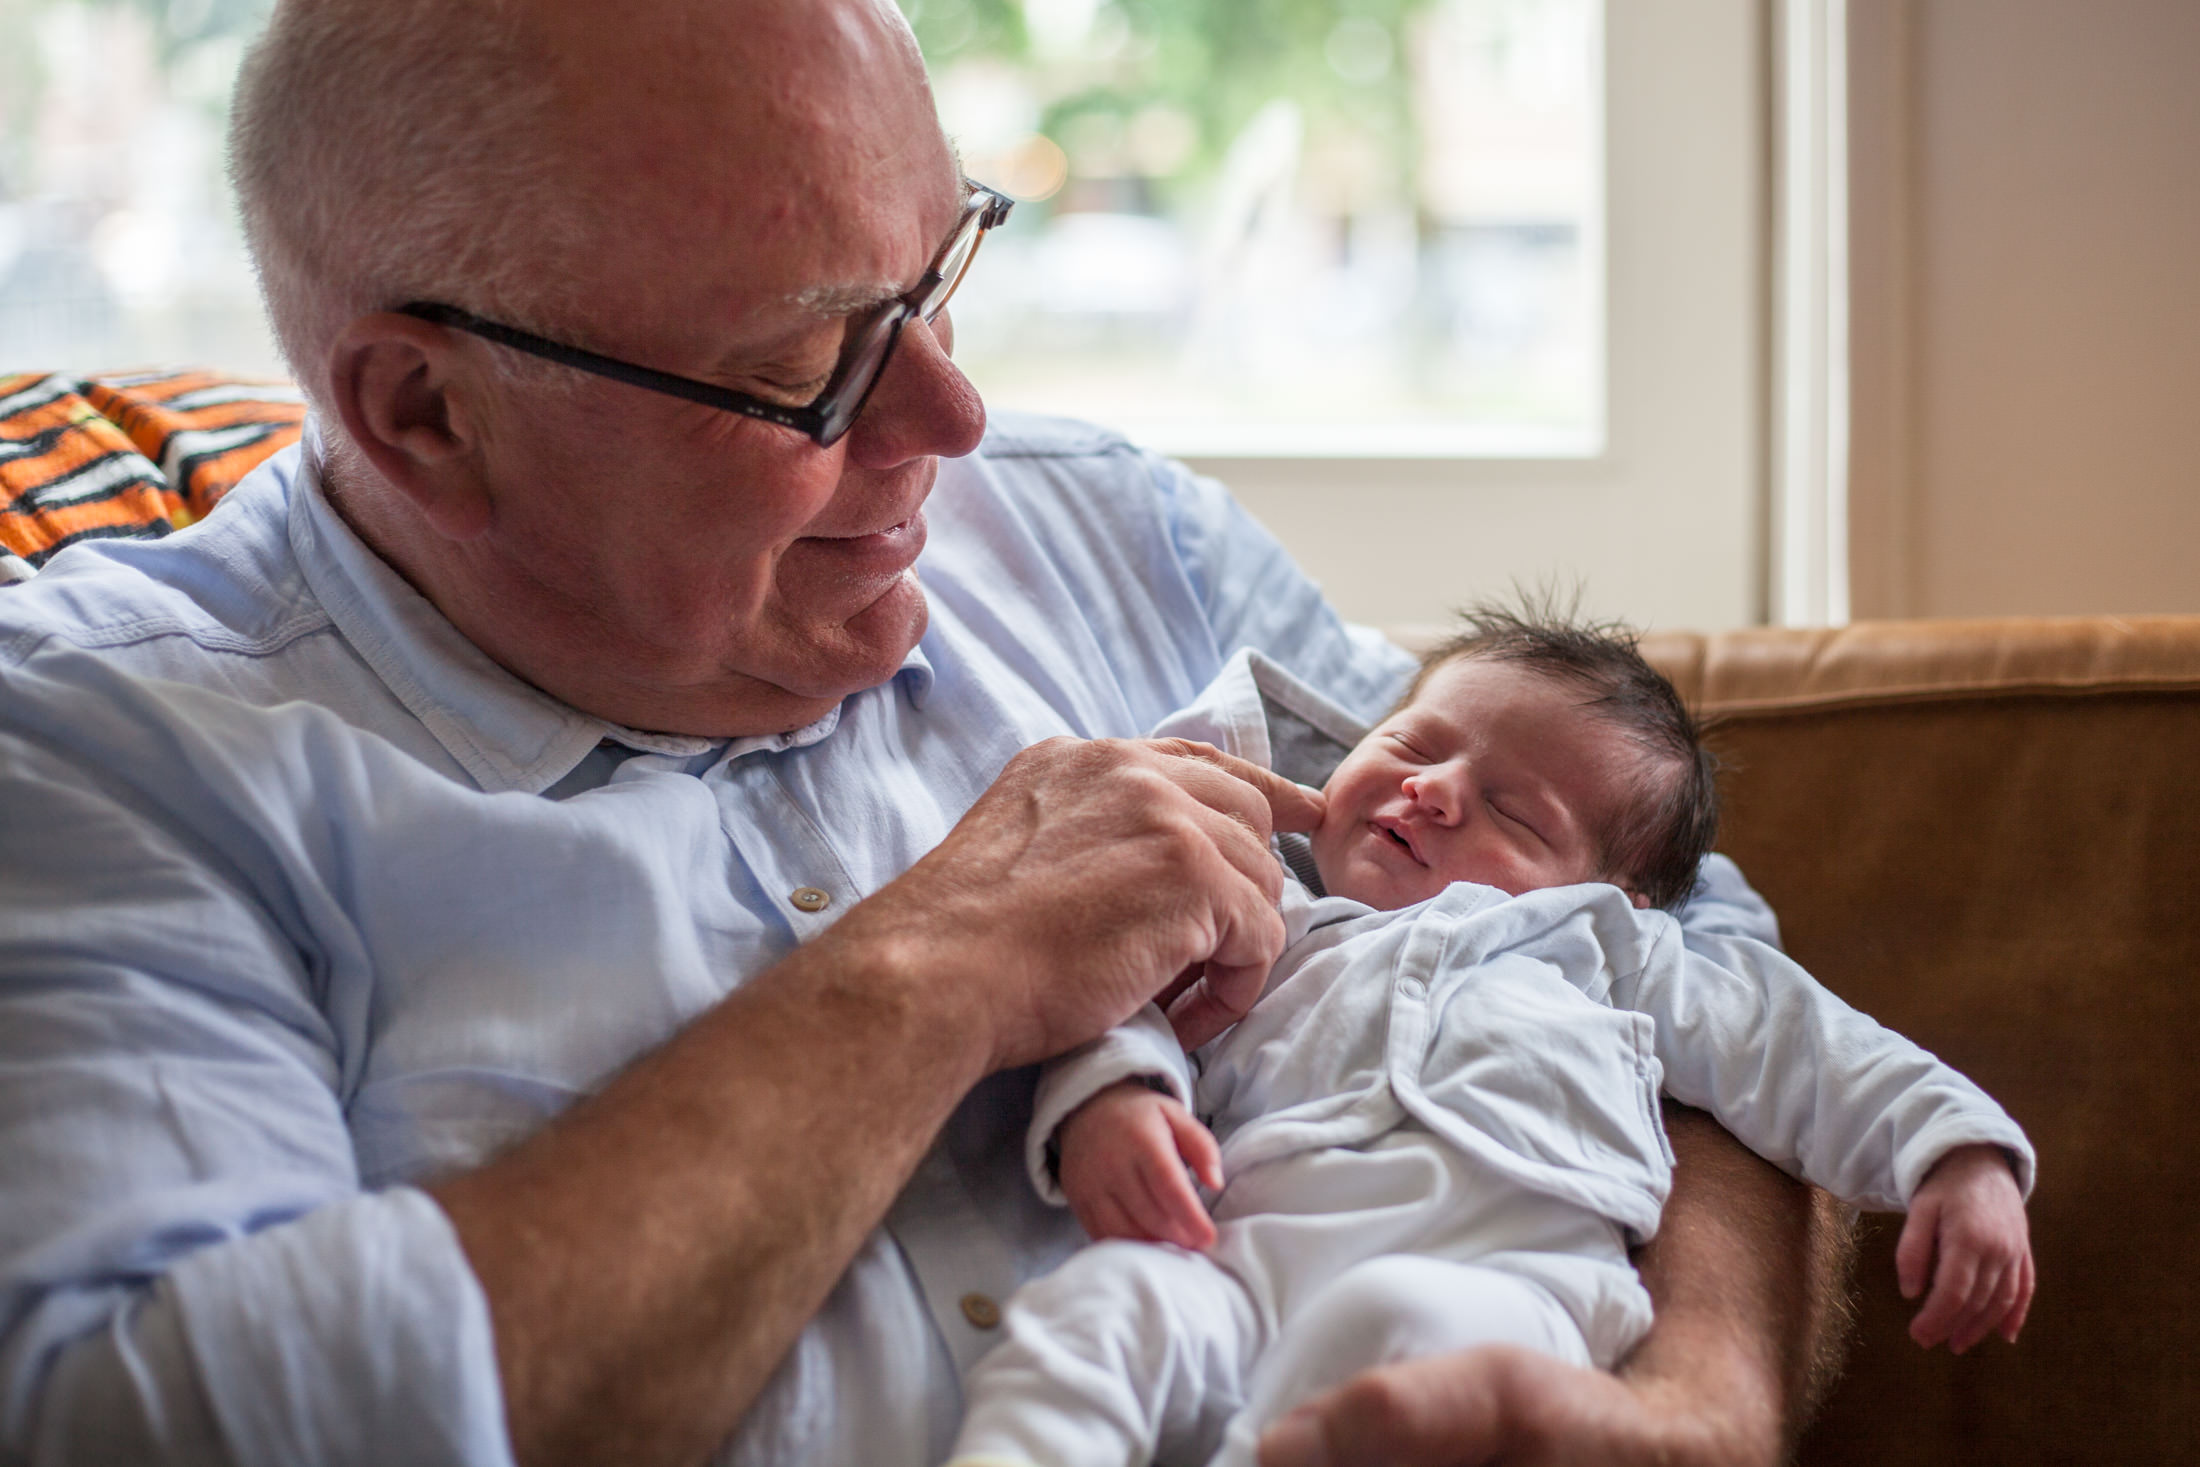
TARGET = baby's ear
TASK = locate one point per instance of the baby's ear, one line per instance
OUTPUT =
(1641, 902)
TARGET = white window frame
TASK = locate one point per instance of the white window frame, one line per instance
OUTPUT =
(1808, 561)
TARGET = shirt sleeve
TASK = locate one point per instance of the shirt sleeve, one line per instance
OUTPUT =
(190, 1270)
(1724, 904)
(1255, 595)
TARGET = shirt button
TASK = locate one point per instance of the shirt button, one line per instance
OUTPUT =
(810, 899)
(981, 1311)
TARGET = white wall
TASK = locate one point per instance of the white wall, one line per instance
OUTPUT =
(2026, 229)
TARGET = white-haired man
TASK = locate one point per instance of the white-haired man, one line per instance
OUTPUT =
(522, 931)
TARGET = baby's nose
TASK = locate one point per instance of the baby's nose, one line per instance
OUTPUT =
(1432, 794)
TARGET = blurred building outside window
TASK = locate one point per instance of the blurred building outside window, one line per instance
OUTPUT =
(1247, 227)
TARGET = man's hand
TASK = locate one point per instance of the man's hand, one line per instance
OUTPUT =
(1124, 1154)
(1967, 1228)
(1091, 874)
(1496, 1405)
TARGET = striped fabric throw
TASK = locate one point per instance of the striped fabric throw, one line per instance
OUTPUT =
(121, 456)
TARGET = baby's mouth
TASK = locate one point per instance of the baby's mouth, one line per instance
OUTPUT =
(1391, 830)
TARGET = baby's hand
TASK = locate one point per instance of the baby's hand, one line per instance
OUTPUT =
(1123, 1158)
(1969, 1213)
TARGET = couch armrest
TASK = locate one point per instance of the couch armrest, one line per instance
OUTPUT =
(1986, 834)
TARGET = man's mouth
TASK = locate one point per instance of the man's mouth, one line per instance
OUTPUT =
(890, 549)
(899, 527)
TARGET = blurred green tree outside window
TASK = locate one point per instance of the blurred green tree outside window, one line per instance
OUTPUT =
(1287, 226)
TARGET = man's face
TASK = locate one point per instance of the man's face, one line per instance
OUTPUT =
(729, 575)
(1493, 774)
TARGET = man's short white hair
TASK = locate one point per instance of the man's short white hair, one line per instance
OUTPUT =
(387, 151)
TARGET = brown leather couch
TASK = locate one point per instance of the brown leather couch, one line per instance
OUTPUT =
(1986, 834)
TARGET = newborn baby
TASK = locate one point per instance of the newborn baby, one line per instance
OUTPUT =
(1439, 1126)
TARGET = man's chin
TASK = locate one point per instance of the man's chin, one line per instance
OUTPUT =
(893, 624)
(867, 648)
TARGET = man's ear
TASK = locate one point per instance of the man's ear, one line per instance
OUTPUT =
(405, 394)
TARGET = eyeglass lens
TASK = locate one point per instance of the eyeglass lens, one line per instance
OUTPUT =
(954, 265)
(844, 398)
(874, 342)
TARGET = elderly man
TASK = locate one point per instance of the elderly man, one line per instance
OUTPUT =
(520, 933)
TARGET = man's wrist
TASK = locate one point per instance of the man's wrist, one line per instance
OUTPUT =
(1706, 1403)
(911, 992)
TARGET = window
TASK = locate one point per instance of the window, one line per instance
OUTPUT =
(1257, 226)
(1450, 292)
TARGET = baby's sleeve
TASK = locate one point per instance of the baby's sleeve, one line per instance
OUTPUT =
(1142, 1048)
(1806, 1081)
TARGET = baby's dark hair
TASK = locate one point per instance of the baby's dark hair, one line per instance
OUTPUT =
(1655, 845)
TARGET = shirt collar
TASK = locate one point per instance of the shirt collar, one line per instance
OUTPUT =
(506, 733)
(913, 678)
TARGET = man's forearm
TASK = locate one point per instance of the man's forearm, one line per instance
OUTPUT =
(1746, 1341)
(650, 1256)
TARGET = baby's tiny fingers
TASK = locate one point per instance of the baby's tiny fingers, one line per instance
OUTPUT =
(1196, 1145)
(1944, 1306)
(1914, 1250)
(1151, 1210)
(1993, 1316)
(1174, 1210)
(1979, 1313)
(2011, 1326)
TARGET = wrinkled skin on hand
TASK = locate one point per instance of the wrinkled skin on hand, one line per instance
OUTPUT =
(1095, 872)
(1504, 1405)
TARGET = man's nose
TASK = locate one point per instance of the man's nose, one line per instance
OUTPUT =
(922, 404)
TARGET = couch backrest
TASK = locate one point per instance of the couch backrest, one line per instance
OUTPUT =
(1987, 835)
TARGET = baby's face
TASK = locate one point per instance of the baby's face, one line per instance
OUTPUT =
(1494, 773)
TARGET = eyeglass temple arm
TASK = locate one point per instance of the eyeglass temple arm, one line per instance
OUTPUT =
(802, 419)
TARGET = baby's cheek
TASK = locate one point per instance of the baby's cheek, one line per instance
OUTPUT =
(1327, 847)
(1350, 879)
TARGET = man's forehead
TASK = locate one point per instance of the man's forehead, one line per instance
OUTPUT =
(748, 274)
(770, 122)
(853, 297)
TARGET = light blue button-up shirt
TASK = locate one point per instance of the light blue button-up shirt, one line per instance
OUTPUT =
(287, 923)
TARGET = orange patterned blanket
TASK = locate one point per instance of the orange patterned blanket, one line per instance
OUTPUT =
(135, 455)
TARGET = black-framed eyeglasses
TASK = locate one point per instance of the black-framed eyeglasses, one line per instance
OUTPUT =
(863, 356)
